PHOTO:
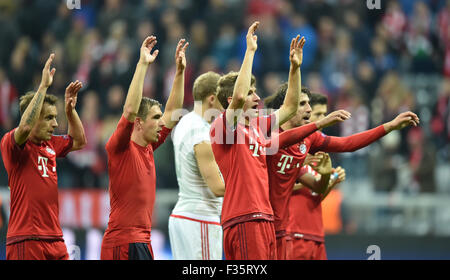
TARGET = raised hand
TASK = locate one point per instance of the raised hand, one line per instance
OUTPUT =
(47, 74)
(333, 118)
(321, 162)
(252, 39)
(403, 120)
(296, 51)
(71, 95)
(180, 54)
(146, 56)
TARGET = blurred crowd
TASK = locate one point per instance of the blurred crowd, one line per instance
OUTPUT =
(356, 56)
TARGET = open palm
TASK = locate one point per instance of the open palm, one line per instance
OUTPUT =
(147, 56)
(296, 51)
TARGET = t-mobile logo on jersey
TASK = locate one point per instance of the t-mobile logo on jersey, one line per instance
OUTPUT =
(285, 162)
(42, 165)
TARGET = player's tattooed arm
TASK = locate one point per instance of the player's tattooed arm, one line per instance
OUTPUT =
(134, 95)
(75, 126)
(291, 100)
(33, 111)
(242, 85)
(176, 97)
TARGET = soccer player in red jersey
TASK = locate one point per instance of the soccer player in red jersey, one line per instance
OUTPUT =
(141, 129)
(284, 167)
(238, 140)
(306, 229)
(29, 153)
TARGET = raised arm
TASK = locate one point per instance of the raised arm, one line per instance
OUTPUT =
(242, 86)
(295, 135)
(134, 95)
(33, 111)
(176, 98)
(360, 140)
(291, 100)
(209, 169)
(75, 126)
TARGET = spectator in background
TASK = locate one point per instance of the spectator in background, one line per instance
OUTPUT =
(395, 23)
(380, 59)
(224, 46)
(8, 103)
(295, 24)
(440, 124)
(418, 39)
(351, 99)
(326, 36)
(89, 164)
(422, 161)
(22, 62)
(394, 95)
(383, 163)
(340, 63)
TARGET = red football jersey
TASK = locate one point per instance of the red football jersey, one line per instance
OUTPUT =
(244, 170)
(284, 167)
(33, 183)
(132, 186)
(240, 154)
(305, 213)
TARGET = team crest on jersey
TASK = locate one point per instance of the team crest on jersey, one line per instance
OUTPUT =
(302, 148)
(50, 151)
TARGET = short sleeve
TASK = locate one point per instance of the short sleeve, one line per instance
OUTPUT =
(10, 149)
(61, 144)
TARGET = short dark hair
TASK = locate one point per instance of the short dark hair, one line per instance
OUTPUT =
(318, 99)
(225, 87)
(25, 100)
(276, 100)
(144, 107)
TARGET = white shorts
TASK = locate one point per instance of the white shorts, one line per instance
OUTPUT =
(195, 239)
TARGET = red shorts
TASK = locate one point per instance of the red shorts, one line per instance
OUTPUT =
(284, 248)
(37, 250)
(131, 251)
(304, 249)
(252, 240)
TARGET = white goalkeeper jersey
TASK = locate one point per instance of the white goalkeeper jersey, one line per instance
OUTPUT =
(195, 198)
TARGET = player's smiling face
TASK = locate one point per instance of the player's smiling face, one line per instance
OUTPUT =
(303, 112)
(152, 125)
(46, 124)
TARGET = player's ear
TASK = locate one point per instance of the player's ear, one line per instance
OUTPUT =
(138, 122)
(211, 99)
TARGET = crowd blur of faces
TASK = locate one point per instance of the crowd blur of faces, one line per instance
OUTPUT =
(372, 63)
